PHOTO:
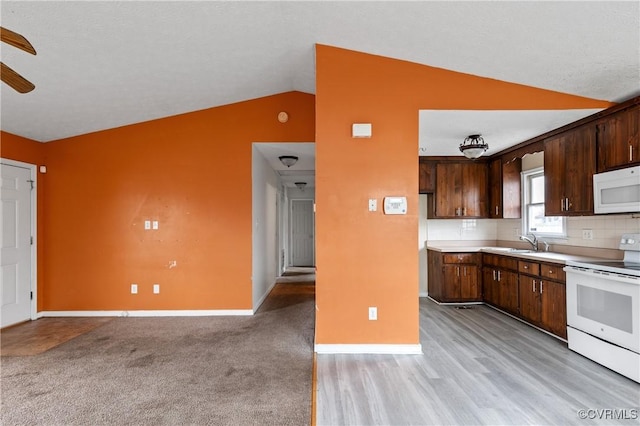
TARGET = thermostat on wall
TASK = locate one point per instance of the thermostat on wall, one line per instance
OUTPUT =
(395, 205)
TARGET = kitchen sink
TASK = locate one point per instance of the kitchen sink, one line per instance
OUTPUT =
(514, 250)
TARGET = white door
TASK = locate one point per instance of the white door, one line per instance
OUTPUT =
(15, 267)
(302, 233)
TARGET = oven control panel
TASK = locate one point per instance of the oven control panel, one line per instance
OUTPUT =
(630, 242)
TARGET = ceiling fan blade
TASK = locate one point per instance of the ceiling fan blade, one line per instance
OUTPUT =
(16, 40)
(15, 80)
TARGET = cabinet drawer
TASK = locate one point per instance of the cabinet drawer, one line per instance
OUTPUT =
(531, 268)
(460, 258)
(553, 272)
(504, 262)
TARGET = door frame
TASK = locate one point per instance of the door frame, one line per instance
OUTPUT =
(290, 228)
(34, 230)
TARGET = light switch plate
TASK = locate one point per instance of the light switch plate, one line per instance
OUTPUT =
(155, 224)
(156, 289)
(134, 288)
(147, 224)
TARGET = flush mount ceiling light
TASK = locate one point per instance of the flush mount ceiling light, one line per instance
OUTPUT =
(473, 146)
(301, 185)
(288, 160)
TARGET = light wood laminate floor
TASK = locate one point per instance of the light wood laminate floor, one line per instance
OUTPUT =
(479, 366)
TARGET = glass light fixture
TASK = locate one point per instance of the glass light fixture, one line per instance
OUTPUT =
(473, 146)
(288, 160)
(301, 185)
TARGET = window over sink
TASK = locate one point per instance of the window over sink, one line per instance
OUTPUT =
(533, 219)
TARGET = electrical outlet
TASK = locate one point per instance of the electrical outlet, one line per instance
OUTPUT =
(373, 313)
(134, 288)
(156, 289)
(147, 224)
(587, 234)
(373, 204)
(155, 224)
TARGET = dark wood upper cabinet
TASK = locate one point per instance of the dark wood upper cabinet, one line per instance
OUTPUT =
(504, 188)
(618, 141)
(426, 177)
(461, 190)
(569, 165)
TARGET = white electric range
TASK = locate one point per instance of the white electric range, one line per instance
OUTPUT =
(603, 309)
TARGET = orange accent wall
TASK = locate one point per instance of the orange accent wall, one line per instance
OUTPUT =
(192, 173)
(366, 258)
(17, 148)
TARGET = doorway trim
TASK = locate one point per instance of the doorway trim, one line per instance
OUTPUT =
(34, 230)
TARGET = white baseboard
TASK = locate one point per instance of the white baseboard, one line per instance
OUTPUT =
(263, 298)
(150, 313)
(369, 349)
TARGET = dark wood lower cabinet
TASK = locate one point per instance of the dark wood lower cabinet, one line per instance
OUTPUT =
(543, 300)
(532, 291)
(554, 307)
(454, 277)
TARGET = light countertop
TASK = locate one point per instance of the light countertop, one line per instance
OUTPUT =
(540, 256)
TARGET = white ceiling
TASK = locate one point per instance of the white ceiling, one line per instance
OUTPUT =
(107, 64)
(302, 171)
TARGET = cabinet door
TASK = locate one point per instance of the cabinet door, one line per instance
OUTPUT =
(529, 298)
(475, 178)
(580, 166)
(508, 291)
(452, 275)
(426, 177)
(569, 165)
(495, 188)
(511, 189)
(434, 274)
(490, 293)
(617, 140)
(448, 190)
(554, 307)
(554, 198)
(470, 286)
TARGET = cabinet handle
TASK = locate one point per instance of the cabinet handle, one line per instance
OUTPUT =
(526, 266)
(497, 211)
(567, 204)
(562, 204)
(540, 287)
(498, 275)
(464, 211)
(630, 152)
(465, 271)
(457, 270)
(534, 286)
(494, 275)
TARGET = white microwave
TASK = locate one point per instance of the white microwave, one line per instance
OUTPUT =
(617, 191)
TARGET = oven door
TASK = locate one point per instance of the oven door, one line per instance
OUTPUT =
(605, 305)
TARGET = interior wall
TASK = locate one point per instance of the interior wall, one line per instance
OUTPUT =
(192, 173)
(366, 258)
(17, 148)
(264, 219)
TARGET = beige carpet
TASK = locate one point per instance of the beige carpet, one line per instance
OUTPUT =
(199, 371)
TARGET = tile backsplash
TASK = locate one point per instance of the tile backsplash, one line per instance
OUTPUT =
(606, 230)
(461, 229)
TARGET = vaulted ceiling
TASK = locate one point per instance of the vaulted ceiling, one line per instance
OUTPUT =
(107, 64)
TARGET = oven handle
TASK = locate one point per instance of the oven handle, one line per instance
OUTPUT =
(608, 275)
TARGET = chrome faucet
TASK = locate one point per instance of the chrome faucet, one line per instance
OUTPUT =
(533, 240)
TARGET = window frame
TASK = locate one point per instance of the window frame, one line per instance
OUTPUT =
(526, 176)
